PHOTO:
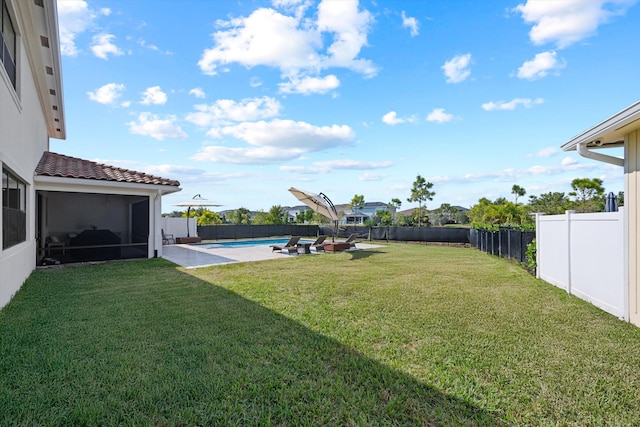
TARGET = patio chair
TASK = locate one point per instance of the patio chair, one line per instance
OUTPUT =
(167, 238)
(351, 240)
(291, 246)
(318, 245)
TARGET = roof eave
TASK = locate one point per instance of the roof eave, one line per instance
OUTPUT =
(56, 183)
(606, 132)
(43, 21)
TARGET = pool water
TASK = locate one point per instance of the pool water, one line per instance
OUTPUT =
(245, 243)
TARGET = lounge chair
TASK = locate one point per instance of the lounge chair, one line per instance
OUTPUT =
(318, 245)
(351, 240)
(167, 238)
(291, 246)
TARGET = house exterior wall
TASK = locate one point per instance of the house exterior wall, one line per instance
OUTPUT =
(632, 209)
(23, 139)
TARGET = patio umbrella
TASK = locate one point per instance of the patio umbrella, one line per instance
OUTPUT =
(319, 203)
(612, 203)
(196, 202)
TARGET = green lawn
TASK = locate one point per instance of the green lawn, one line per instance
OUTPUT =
(400, 335)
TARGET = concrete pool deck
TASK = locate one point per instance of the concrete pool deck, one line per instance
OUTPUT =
(194, 256)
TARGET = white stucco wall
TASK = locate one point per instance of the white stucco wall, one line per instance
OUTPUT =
(23, 138)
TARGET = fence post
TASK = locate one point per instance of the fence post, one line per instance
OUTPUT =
(538, 216)
(568, 214)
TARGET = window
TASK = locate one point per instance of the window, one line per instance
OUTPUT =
(14, 215)
(8, 45)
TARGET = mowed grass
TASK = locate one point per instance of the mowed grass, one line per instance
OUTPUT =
(399, 335)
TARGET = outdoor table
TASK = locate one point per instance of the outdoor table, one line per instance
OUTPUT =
(335, 247)
(305, 247)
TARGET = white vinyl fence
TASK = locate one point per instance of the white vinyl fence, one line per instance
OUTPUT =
(178, 226)
(585, 254)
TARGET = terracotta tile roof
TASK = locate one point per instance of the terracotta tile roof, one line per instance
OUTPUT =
(53, 164)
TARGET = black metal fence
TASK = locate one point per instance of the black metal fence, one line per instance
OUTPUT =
(405, 234)
(506, 242)
(231, 231)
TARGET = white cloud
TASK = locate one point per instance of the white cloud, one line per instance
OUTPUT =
(226, 111)
(568, 21)
(153, 96)
(349, 27)
(294, 44)
(101, 46)
(255, 82)
(298, 7)
(197, 92)
(410, 23)
(456, 69)
(511, 105)
(439, 116)
(540, 66)
(330, 165)
(74, 17)
(158, 128)
(304, 170)
(289, 134)
(391, 118)
(512, 174)
(310, 85)
(352, 164)
(173, 170)
(153, 47)
(545, 152)
(287, 3)
(274, 141)
(107, 94)
(266, 37)
(245, 155)
(105, 11)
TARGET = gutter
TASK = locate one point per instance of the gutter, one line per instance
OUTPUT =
(585, 152)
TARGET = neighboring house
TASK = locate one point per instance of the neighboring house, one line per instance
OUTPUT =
(293, 211)
(621, 130)
(366, 213)
(49, 199)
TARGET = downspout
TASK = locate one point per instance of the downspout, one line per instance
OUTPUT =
(154, 227)
(585, 152)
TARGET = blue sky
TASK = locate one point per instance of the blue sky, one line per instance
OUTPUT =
(240, 100)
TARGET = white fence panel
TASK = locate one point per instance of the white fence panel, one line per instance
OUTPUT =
(178, 226)
(585, 255)
(552, 243)
(597, 260)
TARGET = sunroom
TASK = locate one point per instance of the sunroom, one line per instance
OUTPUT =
(88, 211)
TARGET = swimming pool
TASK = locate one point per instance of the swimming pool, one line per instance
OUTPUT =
(245, 243)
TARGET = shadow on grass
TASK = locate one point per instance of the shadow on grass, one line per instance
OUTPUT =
(364, 253)
(113, 347)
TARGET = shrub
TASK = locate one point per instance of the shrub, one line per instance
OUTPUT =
(531, 255)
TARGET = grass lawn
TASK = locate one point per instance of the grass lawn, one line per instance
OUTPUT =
(399, 335)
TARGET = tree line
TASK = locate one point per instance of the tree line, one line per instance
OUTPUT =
(587, 195)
